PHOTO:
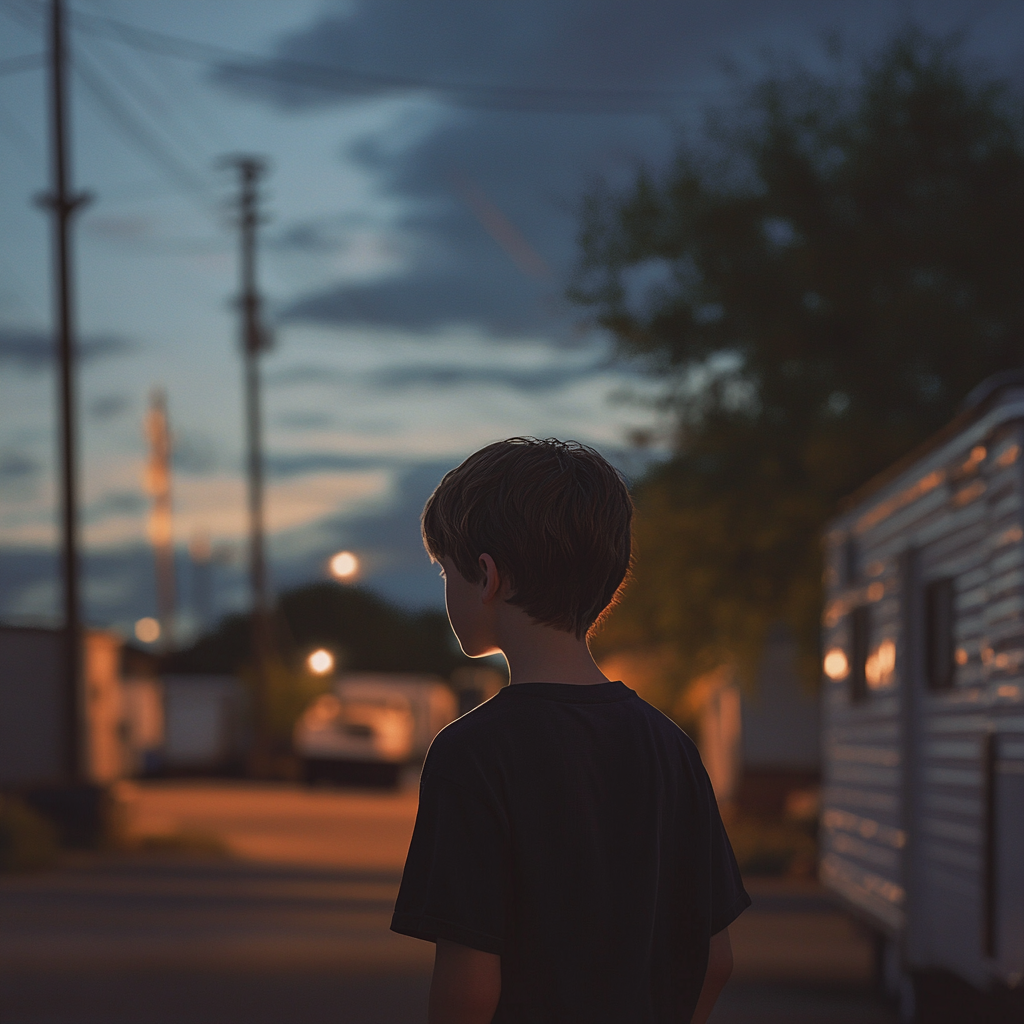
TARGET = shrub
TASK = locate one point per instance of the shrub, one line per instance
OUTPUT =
(27, 839)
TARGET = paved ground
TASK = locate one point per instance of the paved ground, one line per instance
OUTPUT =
(292, 929)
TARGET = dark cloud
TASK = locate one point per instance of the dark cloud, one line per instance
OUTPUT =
(298, 376)
(17, 467)
(114, 504)
(436, 375)
(32, 350)
(305, 420)
(193, 453)
(108, 407)
(322, 462)
(432, 375)
(537, 99)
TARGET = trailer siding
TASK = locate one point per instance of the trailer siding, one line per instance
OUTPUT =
(923, 789)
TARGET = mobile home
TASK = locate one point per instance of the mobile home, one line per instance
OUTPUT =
(923, 704)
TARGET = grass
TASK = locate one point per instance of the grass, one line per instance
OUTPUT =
(27, 840)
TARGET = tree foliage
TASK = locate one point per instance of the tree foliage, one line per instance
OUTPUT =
(365, 632)
(819, 283)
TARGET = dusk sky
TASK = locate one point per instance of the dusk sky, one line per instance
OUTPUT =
(427, 159)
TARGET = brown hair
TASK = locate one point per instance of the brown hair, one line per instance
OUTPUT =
(555, 517)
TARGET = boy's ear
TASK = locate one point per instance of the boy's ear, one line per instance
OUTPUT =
(491, 584)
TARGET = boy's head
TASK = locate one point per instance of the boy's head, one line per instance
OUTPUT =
(554, 516)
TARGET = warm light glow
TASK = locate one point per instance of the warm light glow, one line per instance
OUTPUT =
(320, 662)
(836, 665)
(961, 656)
(978, 453)
(147, 630)
(876, 591)
(880, 664)
(1009, 457)
(344, 565)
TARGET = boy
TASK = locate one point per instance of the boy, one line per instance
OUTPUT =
(568, 857)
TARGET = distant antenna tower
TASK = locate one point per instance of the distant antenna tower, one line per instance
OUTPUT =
(161, 533)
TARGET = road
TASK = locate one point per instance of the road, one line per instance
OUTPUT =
(292, 927)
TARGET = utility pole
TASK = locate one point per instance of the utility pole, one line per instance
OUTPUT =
(161, 529)
(254, 341)
(62, 203)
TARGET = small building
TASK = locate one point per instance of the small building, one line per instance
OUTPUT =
(780, 737)
(923, 702)
(33, 709)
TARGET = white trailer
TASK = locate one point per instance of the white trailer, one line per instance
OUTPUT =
(372, 724)
(205, 724)
(923, 707)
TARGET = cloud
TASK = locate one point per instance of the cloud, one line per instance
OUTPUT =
(298, 376)
(108, 407)
(551, 378)
(33, 350)
(529, 103)
(17, 467)
(282, 466)
(305, 420)
(193, 453)
(115, 505)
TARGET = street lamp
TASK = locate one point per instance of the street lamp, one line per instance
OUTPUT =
(320, 662)
(344, 566)
(147, 630)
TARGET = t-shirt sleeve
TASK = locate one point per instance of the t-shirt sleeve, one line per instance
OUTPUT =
(454, 883)
(728, 897)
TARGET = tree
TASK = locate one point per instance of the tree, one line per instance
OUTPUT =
(819, 284)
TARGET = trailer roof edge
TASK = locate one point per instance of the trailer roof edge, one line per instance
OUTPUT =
(978, 401)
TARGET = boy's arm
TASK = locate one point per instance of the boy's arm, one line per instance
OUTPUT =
(465, 986)
(719, 969)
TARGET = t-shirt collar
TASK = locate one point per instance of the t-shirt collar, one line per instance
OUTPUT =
(569, 693)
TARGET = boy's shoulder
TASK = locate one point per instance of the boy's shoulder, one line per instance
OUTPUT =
(495, 729)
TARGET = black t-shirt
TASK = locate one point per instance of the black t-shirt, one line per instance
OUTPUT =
(573, 831)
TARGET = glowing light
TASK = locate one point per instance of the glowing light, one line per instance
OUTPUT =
(978, 453)
(147, 630)
(1009, 457)
(320, 662)
(836, 665)
(886, 656)
(875, 591)
(344, 565)
(880, 664)
(961, 656)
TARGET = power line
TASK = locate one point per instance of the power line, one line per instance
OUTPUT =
(157, 101)
(333, 76)
(136, 132)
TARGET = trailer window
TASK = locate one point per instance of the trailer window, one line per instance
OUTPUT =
(851, 561)
(860, 641)
(940, 647)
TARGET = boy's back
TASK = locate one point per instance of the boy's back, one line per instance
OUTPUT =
(572, 831)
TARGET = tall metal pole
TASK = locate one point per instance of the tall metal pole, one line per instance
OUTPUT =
(62, 203)
(250, 170)
(161, 526)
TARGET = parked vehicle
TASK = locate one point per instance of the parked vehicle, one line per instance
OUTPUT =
(370, 725)
(923, 705)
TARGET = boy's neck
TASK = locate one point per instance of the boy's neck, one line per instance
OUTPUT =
(541, 654)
